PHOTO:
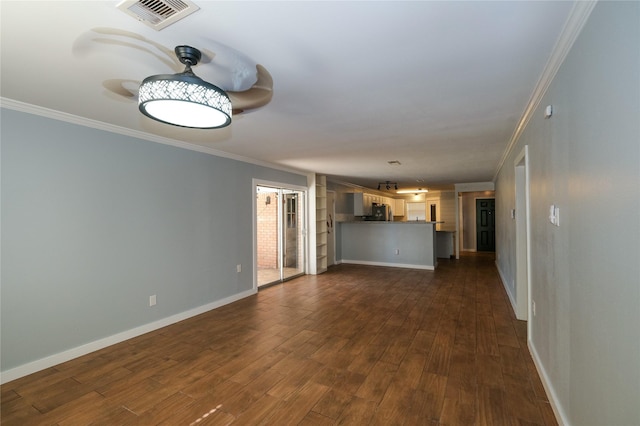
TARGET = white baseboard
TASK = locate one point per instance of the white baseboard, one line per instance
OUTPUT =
(553, 399)
(50, 361)
(561, 416)
(506, 289)
(391, 265)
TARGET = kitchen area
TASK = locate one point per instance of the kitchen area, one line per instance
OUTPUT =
(373, 229)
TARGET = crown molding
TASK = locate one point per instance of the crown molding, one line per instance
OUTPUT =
(99, 125)
(578, 16)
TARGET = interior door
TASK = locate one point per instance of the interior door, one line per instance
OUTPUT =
(485, 224)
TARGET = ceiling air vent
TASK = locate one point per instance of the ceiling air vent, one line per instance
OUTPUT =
(157, 13)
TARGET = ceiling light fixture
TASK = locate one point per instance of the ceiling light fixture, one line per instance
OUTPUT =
(387, 184)
(185, 99)
(412, 191)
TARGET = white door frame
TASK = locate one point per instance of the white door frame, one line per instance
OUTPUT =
(331, 216)
(523, 237)
(428, 204)
(255, 183)
(468, 187)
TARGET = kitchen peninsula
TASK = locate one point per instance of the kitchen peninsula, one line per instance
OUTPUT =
(408, 244)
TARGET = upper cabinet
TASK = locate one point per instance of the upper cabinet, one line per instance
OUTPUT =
(362, 203)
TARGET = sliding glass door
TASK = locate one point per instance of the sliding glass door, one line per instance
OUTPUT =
(280, 226)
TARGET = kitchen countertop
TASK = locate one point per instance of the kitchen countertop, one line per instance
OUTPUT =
(418, 222)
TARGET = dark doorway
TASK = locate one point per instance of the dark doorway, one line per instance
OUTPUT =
(485, 224)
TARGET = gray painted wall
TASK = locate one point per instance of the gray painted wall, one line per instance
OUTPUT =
(93, 223)
(375, 243)
(586, 273)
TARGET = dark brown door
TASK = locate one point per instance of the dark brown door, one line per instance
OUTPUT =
(485, 225)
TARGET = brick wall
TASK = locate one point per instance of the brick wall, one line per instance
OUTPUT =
(267, 229)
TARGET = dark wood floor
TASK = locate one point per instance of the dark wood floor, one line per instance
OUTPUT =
(358, 345)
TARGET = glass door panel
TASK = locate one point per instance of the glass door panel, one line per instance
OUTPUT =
(267, 230)
(292, 238)
(280, 234)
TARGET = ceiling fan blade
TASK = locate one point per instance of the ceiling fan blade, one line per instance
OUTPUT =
(124, 90)
(230, 66)
(102, 38)
(257, 96)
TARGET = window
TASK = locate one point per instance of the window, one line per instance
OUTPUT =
(416, 211)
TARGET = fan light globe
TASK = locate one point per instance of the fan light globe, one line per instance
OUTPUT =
(184, 99)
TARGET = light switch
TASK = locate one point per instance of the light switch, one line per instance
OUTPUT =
(554, 215)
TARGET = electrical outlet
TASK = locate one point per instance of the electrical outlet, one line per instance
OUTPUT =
(533, 308)
(397, 251)
(152, 300)
(238, 268)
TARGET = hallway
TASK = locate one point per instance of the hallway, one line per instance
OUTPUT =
(357, 345)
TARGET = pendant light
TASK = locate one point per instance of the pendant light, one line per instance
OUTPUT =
(185, 99)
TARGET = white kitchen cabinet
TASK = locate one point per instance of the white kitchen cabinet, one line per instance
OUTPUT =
(358, 204)
(398, 207)
(362, 204)
(368, 203)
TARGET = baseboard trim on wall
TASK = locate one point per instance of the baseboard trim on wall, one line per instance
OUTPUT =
(391, 265)
(506, 288)
(561, 416)
(553, 399)
(50, 361)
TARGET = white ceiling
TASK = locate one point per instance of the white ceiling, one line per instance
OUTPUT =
(438, 86)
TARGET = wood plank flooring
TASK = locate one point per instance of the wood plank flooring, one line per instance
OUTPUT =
(358, 345)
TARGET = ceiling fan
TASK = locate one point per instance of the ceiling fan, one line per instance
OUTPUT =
(248, 85)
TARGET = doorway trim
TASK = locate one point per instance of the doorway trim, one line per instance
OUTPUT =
(429, 203)
(331, 221)
(255, 183)
(467, 187)
(523, 237)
